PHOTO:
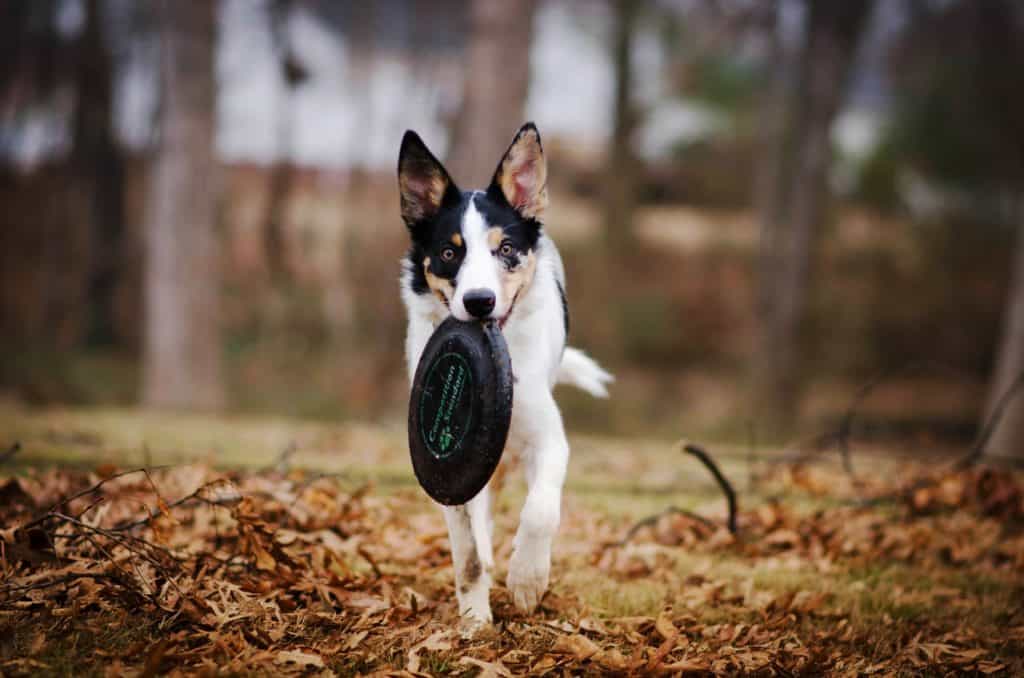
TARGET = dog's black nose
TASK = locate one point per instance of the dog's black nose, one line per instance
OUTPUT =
(478, 302)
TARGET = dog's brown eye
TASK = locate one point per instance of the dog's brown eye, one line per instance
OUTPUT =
(447, 254)
(506, 249)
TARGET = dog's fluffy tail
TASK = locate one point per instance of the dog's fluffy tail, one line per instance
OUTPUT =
(580, 370)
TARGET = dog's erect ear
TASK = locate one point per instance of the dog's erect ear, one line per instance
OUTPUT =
(522, 175)
(423, 182)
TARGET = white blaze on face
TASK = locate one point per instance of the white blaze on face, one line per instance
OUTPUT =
(479, 269)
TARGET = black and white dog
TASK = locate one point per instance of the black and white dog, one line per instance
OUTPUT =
(484, 254)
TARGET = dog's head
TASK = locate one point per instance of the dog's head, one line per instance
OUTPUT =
(474, 250)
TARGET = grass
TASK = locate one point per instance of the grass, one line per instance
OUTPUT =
(612, 481)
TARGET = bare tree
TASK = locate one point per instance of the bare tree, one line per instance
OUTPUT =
(1000, 64)
(181, 352)
(793, 205)
(282, 175)
(620, 176)
(496, 84)
(98, 165)
(1008, 437)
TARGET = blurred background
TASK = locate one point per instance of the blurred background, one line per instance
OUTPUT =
(764, 207)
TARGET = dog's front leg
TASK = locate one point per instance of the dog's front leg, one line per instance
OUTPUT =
(469, 533)
(546, 456)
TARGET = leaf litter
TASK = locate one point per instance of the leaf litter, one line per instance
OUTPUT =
(189, 570)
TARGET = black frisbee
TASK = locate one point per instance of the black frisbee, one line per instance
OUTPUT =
(460, 409)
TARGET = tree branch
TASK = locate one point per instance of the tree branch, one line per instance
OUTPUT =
(10, 452)
(723, 483)
(990, 426)
(730, 494)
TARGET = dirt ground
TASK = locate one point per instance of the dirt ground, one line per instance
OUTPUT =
(256, 546)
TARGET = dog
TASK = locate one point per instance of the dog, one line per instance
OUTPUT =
(485, 255)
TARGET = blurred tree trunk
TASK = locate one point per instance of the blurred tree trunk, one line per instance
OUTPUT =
(1002, 58)
(44, 242)
(181, 355)
(620, 177)
(282, 174)
(496, 84)
(99, 172)
(797, 174)
(1008, 439)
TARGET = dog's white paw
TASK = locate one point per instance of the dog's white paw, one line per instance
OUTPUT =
(528, 574)
(472, 622)
(475, 605)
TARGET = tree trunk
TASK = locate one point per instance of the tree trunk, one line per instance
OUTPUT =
(99, 173)
(282, 174)
(791, 218)
(620, 175)
(181, 354)
(496, 84)
(1008, 438)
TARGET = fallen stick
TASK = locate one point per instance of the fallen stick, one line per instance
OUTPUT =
(652, 520)
(841, 435)
(10, 451)
(991, 424)
(730, 494)
(78, 495)
(723, 483)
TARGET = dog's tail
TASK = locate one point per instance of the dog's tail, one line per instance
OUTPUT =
(580, 370)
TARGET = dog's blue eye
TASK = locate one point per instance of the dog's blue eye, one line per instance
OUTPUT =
(447, 254)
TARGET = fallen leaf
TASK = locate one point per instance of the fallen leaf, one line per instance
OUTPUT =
(487, 669)
(300, 658)
(577, 645)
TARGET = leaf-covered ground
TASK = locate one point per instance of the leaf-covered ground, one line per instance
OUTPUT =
(256, 547)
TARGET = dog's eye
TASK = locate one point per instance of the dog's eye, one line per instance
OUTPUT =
(505, 249)
(447, 254)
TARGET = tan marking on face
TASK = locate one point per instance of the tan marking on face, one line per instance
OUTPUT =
(517, 281)
(441, 287)
(494, 237)
(426, 262)
(457, 239)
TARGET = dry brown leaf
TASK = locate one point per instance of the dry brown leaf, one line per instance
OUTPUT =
(436, 642)
(665, 628)
(301, 658)
(666, 646)
(487, 669)
(577, 645)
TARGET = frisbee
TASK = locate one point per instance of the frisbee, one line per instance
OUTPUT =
(460, 409)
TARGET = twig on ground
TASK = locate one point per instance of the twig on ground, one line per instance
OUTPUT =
(727, 489)
(368, 558)
(990, 425)
(842, 434)
(751, 456)
(653, 520)
(62, 579)
(140, 547)
(10, 451)
(160, 500)
(976, 453)
(283, 461)
(840, 437)
(196, 495)
(730, 494)
(46, 515)
(818, 443)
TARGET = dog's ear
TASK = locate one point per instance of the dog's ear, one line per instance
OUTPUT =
(522, 175)
(423, 182)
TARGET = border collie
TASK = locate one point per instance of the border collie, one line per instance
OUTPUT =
(484, 254)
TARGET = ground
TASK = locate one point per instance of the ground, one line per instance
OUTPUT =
(261, 546)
